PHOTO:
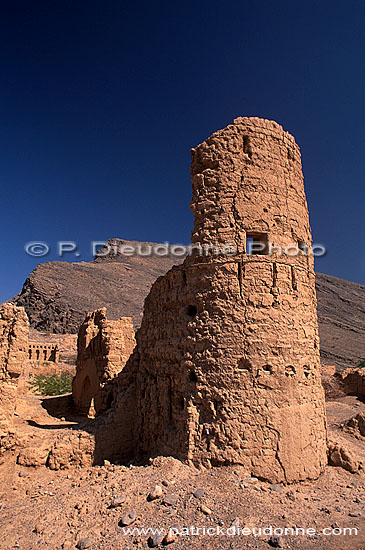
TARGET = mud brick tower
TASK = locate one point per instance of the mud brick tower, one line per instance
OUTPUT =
(228, 351)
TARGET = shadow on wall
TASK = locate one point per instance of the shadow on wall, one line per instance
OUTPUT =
(108, 436)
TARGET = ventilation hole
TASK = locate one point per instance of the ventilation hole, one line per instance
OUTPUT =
(294, 283)
(244, 364)
(265, 210)
(192, 376)
(191, 311)
(307, 371)
(267, 369)
(290, 371)
(184, 276)
(182, 403)
(274, 274)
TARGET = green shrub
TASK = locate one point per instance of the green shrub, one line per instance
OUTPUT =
(52, 384)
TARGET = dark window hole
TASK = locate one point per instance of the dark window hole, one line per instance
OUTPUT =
(245, 365)
(247, 146)
(191, 311)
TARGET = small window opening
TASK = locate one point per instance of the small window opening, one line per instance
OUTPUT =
(45, 354)
(37, 353)
(246, 146)
(256, 243)
(30, 353)
(267, 369)
(244, 365)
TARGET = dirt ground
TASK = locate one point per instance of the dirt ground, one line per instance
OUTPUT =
(41, 508)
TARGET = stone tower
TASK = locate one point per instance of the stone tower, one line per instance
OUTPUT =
(228, 351)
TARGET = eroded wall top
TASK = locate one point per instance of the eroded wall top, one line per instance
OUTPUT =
(247, 180)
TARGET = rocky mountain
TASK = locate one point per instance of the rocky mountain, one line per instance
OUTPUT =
(57, 295)
(341, 315)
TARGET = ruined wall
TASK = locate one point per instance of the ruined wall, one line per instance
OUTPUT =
(14, 328)
(228, 350)
(354, 381)
(103, 349)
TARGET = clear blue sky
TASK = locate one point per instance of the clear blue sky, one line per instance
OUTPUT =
(101, 102)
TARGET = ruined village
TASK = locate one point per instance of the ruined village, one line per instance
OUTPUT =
(213, 398)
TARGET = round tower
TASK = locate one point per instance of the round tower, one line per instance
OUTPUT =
(228, 350)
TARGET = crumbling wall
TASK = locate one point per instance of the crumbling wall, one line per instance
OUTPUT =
(103, 349)
(228, 350)
(14, 329)
(354, 381)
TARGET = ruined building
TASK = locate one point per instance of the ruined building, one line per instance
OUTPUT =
(14, 328)
(226, 367)
(103, 348)
(43, 353)
(227, 359)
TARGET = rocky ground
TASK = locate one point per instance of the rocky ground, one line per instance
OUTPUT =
(86, 508)
(341, 318)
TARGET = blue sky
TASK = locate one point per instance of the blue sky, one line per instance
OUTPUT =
(101, 102)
